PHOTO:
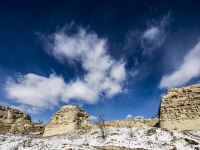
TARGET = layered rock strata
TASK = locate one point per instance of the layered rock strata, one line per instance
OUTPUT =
(68, 118)
(130, 123)
(15, 121)
(180, 108)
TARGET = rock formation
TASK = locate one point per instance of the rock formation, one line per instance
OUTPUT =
(180, 108)
(68, 118)
(16, 121)
(131, 123)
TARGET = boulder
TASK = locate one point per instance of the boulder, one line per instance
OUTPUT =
(180, 108)
(68, 118)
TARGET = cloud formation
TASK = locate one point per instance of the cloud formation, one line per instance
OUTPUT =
(190, 68)
(36, 91)
(104, 76)
(154, 36)
(129, 116)
(24, 108)
(93, 118)
(151, 33)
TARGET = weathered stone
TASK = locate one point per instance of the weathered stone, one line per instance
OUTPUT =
(151, 132)
(68, 118)
(16, 121)
(180, 108)
(130, 123)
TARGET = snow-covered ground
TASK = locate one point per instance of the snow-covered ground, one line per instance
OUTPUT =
(147, 138)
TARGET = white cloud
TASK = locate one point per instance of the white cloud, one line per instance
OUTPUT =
(118, 72)
(189, 69)
(34, 90)
(151, 33)
(93, 118)
(27, 109)
(154, 36)
(133, 73)
(139, 117)
(104, 76)
(23, 108)
(129, 116)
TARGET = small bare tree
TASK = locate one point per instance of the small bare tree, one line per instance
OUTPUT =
(40, 121)
(130, 133)
(102, 126)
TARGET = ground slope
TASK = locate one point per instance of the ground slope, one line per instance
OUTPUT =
(117, 138)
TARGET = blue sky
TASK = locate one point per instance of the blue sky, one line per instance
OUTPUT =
(110, 57)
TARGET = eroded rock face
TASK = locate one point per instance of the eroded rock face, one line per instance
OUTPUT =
(130, 123)
(68, 118)
(180, 108)
(16, 121)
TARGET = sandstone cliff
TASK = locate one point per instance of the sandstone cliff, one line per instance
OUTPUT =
(68, 118)
(16, 121)
(180, 108)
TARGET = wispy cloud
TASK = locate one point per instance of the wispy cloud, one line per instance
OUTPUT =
(23, 108)
(104, 76)
(149, 39)
(140, 45)
(129, 116)
(133, 73)
(139, 117)
(189, 69)
(151, 33)
(155, 34)
(93, 118)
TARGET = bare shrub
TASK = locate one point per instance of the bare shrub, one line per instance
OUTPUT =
(40, 122)
(130, 133)
(102, 126)
(78, 122)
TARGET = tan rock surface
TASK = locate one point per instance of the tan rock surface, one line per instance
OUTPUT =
(16, 121)
(130, 123)
(68, 118)
(180, 108)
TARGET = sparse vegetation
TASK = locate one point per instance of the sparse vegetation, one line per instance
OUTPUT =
(40, 122)
(117, 140)
(78, 122)
(130, 133)
(102, 126)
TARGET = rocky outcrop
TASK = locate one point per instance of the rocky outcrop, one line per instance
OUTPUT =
(180, 108)
(68, 118)
(130, 123)
(16, 121)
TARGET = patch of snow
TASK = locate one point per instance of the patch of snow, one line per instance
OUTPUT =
(158, 140)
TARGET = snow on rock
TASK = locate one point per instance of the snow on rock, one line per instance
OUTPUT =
(147, 137)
